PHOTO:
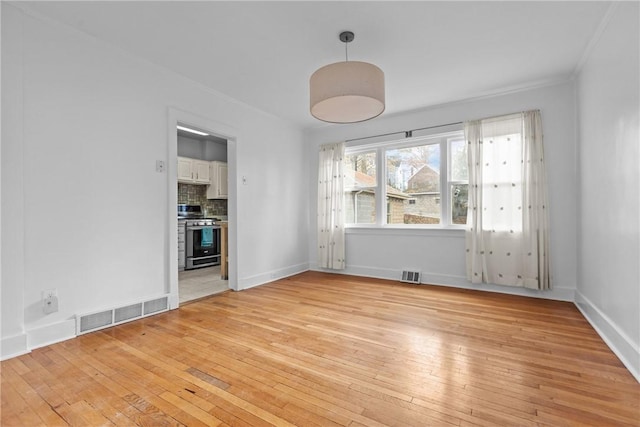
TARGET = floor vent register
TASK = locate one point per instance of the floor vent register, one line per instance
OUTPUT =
(410, 277)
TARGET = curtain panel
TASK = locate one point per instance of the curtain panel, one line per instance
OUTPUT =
(507, 235)
(331, 241)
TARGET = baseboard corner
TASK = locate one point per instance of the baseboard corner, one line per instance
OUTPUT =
(622, 346)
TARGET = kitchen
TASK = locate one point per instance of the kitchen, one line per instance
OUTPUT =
(202, 214)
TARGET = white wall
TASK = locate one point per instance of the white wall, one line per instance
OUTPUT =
(609, 243)
(439, 254)
(202, 149)
(83, 210)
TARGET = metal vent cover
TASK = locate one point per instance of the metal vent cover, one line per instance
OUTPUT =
(103, 319)
(129, 312)
(410, 276)
(95, 321)
(156, 305)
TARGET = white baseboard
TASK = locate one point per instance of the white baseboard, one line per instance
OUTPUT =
(622, 345)
(174, 301)
(558, 293)
(13, 346)
(270, 276)
(51, 334)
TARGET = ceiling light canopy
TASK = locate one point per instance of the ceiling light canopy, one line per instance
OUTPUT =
(347, 92)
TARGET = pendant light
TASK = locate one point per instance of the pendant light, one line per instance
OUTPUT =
(347, 92)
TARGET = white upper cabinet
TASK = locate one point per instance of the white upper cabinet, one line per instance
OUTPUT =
(201, 171)
(193, 171)
(218, 188)
(185, 173)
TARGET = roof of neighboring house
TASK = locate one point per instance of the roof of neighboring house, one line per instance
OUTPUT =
(424, 180)
(363, 180)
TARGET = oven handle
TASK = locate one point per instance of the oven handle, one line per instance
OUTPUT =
(201, 227)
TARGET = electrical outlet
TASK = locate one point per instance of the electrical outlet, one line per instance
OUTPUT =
(49, 293)
(50, 301)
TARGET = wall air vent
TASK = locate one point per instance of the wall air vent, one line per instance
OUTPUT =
(95, 321)
(126, 313)
(160, 304)
(104, 319)
(410, 277)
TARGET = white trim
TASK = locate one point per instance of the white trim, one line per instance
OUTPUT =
(232, 135)
(382, 144)
(453, 281)
(14, 346)
(456, 232)
(270, 276)
(617, 340)
(555, 294)
(51, 334)
(595, 38)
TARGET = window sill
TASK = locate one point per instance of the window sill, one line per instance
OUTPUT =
(390, 230)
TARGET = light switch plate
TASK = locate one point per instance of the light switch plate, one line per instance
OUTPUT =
(159, 166)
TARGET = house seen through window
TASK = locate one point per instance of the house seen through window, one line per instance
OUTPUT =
(413, 182)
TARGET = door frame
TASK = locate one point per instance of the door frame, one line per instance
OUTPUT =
(221, 130)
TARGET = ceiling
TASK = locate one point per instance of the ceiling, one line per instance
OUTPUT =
(263, 53)
(211, 138)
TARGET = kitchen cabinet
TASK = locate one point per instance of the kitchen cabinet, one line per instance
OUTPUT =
(184, 169)
(218, 185)
(193, 171)
(201, 169)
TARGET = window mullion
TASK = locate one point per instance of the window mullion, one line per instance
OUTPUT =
(444, 184)
(381, 191)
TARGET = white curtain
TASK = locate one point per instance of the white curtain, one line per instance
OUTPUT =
(331, 246)
(507, 233)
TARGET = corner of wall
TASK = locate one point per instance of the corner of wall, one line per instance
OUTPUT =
(611, 334)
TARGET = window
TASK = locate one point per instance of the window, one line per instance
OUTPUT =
(413, 172)
(361, 187)
(458, 181)
(417, 182)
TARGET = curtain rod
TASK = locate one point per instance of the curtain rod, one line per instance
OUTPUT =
(407, 133)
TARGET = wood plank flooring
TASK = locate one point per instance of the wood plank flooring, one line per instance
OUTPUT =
(329, 350)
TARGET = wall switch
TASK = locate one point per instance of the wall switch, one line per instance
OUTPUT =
(50, 301)
(160, 166)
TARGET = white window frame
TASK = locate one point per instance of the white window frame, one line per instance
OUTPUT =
(444, 140)
(376, 190)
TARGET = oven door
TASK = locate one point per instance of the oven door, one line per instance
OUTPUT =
(203, 241)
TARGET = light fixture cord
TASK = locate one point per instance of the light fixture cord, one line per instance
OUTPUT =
(346, 51)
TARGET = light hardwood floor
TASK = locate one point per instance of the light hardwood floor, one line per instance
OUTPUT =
(328, 350)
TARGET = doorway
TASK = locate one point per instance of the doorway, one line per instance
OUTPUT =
(203, 196)
(216, 146)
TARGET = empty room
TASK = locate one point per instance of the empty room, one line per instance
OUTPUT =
(318, 213)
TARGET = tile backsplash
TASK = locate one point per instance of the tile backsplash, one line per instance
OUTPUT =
(197, 195)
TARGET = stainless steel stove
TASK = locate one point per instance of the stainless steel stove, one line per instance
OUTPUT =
(202, 238)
